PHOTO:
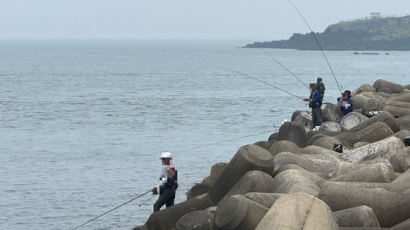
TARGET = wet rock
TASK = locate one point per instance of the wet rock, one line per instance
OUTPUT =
(284, 146)
(298, 211)
(383, 84)
(216, 170)
(239, 213)
(330, 126)
(379, 172)
(248, 158)
(294, 181)
(361, 216)
(351, 120)
(197, 220)
(390, 208)
(252, 181)
(294, 132)
(391, 148)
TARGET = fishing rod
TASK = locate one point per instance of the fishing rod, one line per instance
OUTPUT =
(147, 200)
(318, 43)
(284, 67)
(129, 201)
(266, 83)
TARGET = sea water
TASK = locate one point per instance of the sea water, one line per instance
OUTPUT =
(83, 123)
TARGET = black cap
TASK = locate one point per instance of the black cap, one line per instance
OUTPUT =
(319, 79)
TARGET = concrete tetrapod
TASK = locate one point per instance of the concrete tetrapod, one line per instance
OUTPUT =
(216, 170)
(294, 132)
(385, 117)
(239, 213)
(375, 132)
(391, 208)
(284, 146)
(351, 120)
(248, 158)
(405, 225)
(197, 220)
(323, 164)
(167, 218)
(330, 126)
(304, 118)
(297, 212)
(383, 84)
(378, 172)
(252, 181)
(391, 148)
(362, 216)
(265, 199)
(294, 181)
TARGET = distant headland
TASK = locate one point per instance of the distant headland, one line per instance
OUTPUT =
(370, 33)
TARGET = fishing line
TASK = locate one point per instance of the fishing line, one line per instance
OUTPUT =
(283, 66)
(318, 43)
(266, 83)
(129, 201)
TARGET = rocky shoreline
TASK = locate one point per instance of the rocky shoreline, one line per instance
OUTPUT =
(295, 180)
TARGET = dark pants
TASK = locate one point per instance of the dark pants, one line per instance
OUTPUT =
(316, 116)
(167, 197)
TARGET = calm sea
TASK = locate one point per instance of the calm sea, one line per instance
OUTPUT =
(82, 123)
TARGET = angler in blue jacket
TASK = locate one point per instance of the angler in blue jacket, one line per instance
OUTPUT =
(314, 103)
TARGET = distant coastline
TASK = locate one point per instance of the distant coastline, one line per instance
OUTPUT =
(373, 33)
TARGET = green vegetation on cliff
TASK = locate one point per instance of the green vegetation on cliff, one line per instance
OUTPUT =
(379, 33)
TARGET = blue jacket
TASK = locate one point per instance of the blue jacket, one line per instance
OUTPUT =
(316, 99)
(346, 106)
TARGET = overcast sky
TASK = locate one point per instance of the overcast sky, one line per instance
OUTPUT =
(179, 19)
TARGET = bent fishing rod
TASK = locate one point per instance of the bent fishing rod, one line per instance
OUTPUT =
(318, 43)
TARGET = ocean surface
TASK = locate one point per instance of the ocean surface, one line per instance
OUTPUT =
(82, 123)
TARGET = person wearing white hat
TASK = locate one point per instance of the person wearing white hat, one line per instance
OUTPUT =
(168, 183)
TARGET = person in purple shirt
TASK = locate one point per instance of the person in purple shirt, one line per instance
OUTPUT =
(345, 102)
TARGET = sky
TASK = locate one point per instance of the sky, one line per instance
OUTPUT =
(179, 19)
